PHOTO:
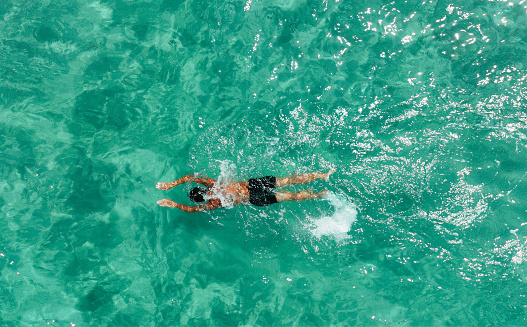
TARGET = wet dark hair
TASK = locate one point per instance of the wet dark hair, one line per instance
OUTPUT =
(197, 194)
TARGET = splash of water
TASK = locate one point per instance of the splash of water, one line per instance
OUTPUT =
(339, 223)
(227, 173)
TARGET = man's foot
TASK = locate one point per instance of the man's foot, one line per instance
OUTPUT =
(165, 186)
(329, 173)
(302, 178)
(166, 203)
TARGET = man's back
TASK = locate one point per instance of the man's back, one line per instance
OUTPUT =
(237, 191)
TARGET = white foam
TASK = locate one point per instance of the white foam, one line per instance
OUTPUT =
(339, 223)
(227, 173)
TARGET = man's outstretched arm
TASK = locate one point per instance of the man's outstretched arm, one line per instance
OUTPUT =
(171, 204)
(207, 181)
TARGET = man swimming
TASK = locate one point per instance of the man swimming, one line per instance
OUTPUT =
(257, 191)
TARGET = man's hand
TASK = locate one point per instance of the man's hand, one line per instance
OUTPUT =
(171, 204)
(167, 203)
(165, 186)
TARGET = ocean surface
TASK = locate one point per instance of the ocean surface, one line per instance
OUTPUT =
(419, 106)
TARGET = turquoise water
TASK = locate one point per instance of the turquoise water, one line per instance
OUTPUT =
(419, 106)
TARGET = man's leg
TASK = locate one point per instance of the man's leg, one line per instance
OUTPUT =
(301, 179)
(298, 196)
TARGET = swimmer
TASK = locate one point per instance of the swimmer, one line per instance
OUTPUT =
(257, 191)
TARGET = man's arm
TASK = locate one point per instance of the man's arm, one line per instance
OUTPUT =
(207, 181)
(171, 204)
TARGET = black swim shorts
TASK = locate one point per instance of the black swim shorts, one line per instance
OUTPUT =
(261, 191)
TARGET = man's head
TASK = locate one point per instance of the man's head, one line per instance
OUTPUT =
(197, 194)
